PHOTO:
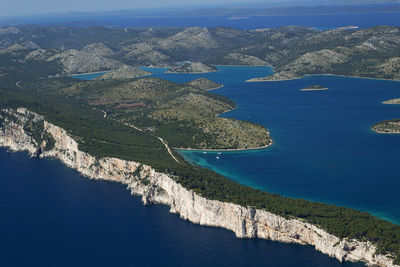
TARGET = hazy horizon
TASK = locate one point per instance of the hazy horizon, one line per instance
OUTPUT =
(42, 7)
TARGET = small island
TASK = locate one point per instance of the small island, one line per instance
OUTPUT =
(387, 127)
(315, 87)
(395, 101)
(191, 67)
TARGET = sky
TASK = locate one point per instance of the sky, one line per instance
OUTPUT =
(30, 7)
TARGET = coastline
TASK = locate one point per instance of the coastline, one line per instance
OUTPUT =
(87, 73)
(222, 150)
(382, 126)
(227, 149)
(170, 72)
(215, 88)
(337, 75)
(160, 188)
(356, 77)
(395, 101)
(243, 65)
(256, 80)
(226, 111)
(381, 132)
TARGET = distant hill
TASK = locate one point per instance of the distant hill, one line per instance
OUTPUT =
(292, 51)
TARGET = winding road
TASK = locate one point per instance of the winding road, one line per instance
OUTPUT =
(167, 147)
(159, 138)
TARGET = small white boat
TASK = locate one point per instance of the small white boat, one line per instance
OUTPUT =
(217, 157)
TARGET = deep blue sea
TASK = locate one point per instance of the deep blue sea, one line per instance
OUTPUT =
(323, 150)
(52, 216)
(246, 23)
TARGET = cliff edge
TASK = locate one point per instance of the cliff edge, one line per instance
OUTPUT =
(155, 187)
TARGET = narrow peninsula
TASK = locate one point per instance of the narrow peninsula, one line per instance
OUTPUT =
(387, 127)
(395, 101)
(205, 84)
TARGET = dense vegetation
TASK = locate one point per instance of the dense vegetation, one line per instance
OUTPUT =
(181, 114)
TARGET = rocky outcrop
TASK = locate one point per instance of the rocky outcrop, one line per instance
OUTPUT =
(155, 187)
(75, 61)
(124, 72)
(395, 101)
(387, 127)
(39, 54)
(196, 67)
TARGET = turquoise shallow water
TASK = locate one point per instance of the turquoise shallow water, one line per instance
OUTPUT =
(323, 147)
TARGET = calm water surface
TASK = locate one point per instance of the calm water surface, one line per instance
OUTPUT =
(52, 216)
(323, 147)
(246, 23)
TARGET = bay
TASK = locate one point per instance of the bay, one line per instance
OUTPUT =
(323, 147)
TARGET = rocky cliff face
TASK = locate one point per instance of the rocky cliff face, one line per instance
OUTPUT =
(155, 187)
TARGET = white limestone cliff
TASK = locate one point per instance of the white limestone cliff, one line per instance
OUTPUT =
(155, 187)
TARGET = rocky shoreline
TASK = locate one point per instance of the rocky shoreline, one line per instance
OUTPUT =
(395, 101)
(222, 149)
(289, 77)
(155, 187)
(387, 127)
